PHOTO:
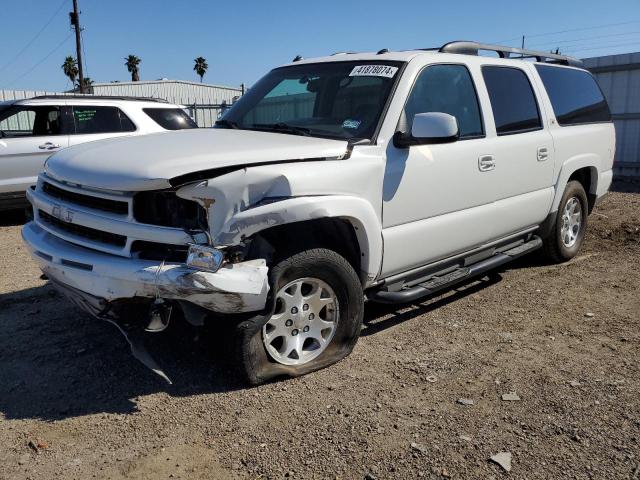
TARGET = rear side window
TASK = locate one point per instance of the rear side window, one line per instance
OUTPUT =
(170, 118)
(514, 105)
(447, 89)
(575, 95)
(90, 119)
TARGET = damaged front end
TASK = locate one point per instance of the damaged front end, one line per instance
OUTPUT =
(135, 258)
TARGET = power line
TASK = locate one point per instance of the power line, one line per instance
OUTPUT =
(84, 54)
(601, 47)
(34, 38)
(558, 42)
(581, 29)
(41, 61)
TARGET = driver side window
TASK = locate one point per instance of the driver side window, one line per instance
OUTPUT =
(31, 122)
(447, 89)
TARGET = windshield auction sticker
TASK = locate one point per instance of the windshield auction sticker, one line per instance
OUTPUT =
(373, 71)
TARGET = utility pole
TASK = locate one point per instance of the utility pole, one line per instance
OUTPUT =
(520, 47)
(75, 22)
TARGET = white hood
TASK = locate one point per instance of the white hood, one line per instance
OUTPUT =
(148, 162)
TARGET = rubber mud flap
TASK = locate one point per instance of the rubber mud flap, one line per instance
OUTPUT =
(254, 364)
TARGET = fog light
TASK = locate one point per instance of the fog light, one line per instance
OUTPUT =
(204, 258)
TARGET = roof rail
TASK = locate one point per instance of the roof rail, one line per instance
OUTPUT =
(97, 97)
(472, 48)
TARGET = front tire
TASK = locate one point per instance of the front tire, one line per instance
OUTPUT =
(566, 236)
(313, 319)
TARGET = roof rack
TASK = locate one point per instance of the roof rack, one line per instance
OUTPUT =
(472, 48)
(98, 97)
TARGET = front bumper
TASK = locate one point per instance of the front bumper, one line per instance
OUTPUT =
(104, 278)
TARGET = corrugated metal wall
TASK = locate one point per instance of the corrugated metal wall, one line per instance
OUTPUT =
(619, 78)
(18, 94)
(207, 99)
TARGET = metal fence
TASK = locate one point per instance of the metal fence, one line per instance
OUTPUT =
(203, 101)
(619, 78)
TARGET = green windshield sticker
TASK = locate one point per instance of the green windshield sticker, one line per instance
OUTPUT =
(84, 115)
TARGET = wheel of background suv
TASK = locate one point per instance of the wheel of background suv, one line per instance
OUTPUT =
(314, 320)
(565, 238)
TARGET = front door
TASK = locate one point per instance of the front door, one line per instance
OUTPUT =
(28, 135)
(438, 199)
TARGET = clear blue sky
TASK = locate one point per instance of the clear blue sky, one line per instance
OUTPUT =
(242, 40)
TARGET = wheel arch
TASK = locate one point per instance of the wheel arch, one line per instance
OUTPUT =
(348, 225)
(583, 170)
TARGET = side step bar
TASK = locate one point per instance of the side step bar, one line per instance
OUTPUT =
(436, 284)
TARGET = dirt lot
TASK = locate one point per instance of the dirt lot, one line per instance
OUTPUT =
(75, 404)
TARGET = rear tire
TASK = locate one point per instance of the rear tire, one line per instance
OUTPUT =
(567, 234)
(313, 319)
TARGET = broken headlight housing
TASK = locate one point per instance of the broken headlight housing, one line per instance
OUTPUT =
(204, 258)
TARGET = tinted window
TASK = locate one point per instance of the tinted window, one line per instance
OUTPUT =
(92, 119)
(574, 94)
(30, 121)
(170, 118)
(513, 102)
(448, 89)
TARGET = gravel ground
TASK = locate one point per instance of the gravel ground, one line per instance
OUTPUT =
(420, 397)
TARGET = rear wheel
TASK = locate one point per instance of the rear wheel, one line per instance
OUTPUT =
(566, 236)
(314, 318)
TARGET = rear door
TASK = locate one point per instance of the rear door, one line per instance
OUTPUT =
(28, 135)
(94, 122)
(520, 159)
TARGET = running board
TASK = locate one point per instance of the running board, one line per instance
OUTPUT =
(436, 284)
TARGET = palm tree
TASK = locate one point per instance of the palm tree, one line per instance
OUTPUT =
(70, 69)
(132, 63)
(201, 67)
(87, 83)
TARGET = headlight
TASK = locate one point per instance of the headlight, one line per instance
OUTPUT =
(204, 258)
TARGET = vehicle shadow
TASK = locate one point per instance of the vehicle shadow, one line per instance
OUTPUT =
(11, 218)
(57, 362)
(626, 185)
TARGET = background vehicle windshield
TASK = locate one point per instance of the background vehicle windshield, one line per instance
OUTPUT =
(335, 100)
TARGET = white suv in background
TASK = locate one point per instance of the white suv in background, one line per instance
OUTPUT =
(32, 129)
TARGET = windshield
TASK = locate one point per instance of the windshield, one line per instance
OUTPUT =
(342, 100)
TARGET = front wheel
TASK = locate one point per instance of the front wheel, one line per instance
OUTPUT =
(313, 321)
(566, 236)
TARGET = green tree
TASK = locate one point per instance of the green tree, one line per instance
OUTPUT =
(70, 69)
(200, 67)
(132, 62)
(87, 82)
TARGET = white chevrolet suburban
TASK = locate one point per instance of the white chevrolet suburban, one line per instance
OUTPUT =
(32, 129)
(384, 176)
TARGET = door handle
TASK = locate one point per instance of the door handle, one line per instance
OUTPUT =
(48, 146)
(486, 163)
(543, 154)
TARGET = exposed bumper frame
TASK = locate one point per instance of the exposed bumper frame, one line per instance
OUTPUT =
(103, 278)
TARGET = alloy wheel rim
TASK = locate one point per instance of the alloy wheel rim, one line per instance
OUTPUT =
(303, 323)
(571, 222)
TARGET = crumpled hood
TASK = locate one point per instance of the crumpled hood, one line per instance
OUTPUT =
(148, 162)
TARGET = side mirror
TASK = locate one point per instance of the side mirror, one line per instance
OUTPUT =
(428, 128)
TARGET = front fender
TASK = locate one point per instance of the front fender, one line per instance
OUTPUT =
(356, 211)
